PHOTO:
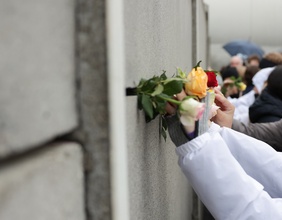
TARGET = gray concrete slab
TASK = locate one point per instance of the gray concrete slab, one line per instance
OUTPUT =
(37, 72)
(47, 184)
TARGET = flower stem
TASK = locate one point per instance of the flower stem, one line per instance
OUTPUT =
(170, 100)
(198, 65)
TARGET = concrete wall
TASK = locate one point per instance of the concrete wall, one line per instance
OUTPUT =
(158, 37)
(46, 184)
(58, 151)
(40, 176)
(37, 70)
(201, 33)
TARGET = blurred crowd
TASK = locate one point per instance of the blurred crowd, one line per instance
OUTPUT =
(260, 100)
(258, 104)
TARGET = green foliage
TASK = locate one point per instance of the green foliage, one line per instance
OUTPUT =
(154, 93)
(173, 87)
(235, 82)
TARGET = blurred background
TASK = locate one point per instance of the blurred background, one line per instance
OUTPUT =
(256, 21)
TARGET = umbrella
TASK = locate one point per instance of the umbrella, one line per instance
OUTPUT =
(243, 47)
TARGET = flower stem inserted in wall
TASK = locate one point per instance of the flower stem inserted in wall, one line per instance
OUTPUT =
(154, 93)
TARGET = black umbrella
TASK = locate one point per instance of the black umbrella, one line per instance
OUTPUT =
(243, 47)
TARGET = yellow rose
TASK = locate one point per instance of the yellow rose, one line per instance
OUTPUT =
(197, 82)
(242, 86)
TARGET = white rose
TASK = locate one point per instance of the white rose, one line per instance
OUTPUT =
(191, 110)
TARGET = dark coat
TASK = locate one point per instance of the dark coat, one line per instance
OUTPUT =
(266, 108)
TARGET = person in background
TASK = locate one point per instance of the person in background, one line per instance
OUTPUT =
(250, 72)
(253, 60)
(241, 71)
(259, 80)
(248, 96)
(236, 61)
(268, 106)
(270, 60)
(270, 133)
(243, 103)
(228, 87)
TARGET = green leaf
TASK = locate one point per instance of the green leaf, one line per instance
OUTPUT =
(175, 79)
(158, 90)
(164, 123)
(141, 83)
(155, 114)
(163, 76)
(173, 87)
(162, 96)
(181, 73)
(163, 132)
(160, 104)
(147, 105)
(149, 86)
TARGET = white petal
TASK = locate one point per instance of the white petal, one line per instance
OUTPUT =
(187, 120)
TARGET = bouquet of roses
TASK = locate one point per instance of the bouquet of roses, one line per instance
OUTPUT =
(154, 93)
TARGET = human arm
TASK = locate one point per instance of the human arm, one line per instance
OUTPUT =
(220, 181)
(257, 158)
(271, 132)
(179, 133)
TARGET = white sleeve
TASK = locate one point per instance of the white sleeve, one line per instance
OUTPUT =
(260, 77)
(246, 100)
(221, 183)
(241, 114)
(242, 105)
(257, 158)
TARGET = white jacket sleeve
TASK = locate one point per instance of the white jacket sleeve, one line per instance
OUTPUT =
(221, 182)
(242, 105)
(257, 158)
(245, 100)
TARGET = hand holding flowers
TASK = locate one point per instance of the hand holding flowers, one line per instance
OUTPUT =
(232, 86)
(159, 92)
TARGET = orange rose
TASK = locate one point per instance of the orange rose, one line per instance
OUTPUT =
(197, 82)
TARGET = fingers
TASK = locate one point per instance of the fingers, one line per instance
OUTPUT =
(170, 109)
(224, 104)
(218, 91)
(220, 100)
(181, 95)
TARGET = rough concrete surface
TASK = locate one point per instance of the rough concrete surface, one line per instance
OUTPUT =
(158, 37)
(157, 187)
(37, 72)
(93, 100)
(47, 184)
